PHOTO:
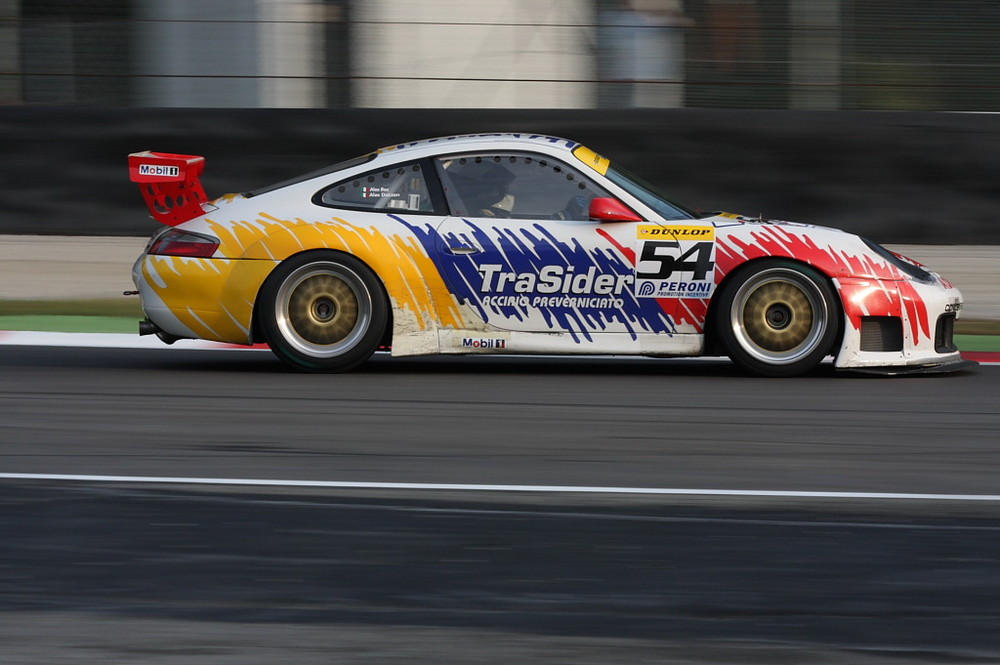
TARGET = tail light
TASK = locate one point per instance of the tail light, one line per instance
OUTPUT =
(183, 243)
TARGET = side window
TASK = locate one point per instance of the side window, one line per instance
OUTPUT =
(515, 185)
(401, 187)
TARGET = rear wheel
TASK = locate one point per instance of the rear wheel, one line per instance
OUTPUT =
(323, 312)
(778, 318)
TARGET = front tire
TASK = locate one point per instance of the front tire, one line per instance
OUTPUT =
(778, 318)
(323, 312)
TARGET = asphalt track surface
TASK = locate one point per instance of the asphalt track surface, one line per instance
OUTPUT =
(830, 556)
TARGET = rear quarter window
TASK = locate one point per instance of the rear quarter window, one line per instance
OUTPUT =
(396, 188)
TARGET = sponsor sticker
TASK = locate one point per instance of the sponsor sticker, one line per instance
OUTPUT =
(592, 159)
(675, 261)
(159, 170)
(551, 280)
(552, 286)
(483, 343)
(676, 232)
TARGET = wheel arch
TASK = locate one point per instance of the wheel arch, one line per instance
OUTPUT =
(714, 346)
(256, 329)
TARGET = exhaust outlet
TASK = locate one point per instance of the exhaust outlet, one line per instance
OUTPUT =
(147, 327)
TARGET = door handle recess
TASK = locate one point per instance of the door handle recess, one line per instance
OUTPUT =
(462, 250)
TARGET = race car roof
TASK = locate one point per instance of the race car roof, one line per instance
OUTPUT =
(457, 142)
(478, 140)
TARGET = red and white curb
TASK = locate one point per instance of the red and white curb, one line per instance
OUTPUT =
(983, 357)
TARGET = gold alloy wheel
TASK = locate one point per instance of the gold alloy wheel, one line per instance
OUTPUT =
(779, 316)
(323, 309)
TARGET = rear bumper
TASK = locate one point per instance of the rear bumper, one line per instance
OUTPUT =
(209, 299)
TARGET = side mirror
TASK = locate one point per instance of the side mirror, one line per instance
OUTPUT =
(606, 209)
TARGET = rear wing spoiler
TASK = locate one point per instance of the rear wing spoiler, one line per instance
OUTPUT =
(170, 184)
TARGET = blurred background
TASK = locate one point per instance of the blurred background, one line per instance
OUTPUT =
(875, 116)
(746, 105)
(570, 54)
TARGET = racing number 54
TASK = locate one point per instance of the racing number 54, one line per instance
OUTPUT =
(667, 254)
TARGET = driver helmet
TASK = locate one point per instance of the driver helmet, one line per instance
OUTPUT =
(484, 185)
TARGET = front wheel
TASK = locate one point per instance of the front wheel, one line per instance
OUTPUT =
(778, 318)
(323, 312)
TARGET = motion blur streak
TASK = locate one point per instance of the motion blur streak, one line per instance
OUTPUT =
(333, 484)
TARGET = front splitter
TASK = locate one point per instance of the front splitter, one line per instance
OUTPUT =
(902, 370)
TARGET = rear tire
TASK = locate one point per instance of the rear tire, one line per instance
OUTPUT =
(323, 312)
(778, 318)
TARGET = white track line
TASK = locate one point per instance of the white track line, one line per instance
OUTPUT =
(469, 487)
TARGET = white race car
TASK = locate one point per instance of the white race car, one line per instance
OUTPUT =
(520, 244)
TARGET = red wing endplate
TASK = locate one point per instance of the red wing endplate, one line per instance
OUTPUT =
(170, 184)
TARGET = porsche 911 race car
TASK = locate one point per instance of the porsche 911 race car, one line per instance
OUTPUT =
(519, 244)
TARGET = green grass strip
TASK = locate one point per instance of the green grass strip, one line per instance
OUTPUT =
(85, 324)
(117, 315)
(117, 307)
(977, 342)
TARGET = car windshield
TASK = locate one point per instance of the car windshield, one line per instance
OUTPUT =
(648, 194)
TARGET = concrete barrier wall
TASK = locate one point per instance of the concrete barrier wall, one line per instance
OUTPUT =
(930, 178)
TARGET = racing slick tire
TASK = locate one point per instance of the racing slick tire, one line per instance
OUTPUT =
(323, 311)
(778, 318)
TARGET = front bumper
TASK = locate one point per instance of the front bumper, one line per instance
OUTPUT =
(903, 326)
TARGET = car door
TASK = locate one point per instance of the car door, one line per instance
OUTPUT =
(520, 248)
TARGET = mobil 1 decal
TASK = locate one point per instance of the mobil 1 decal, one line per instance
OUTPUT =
(675, 261)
